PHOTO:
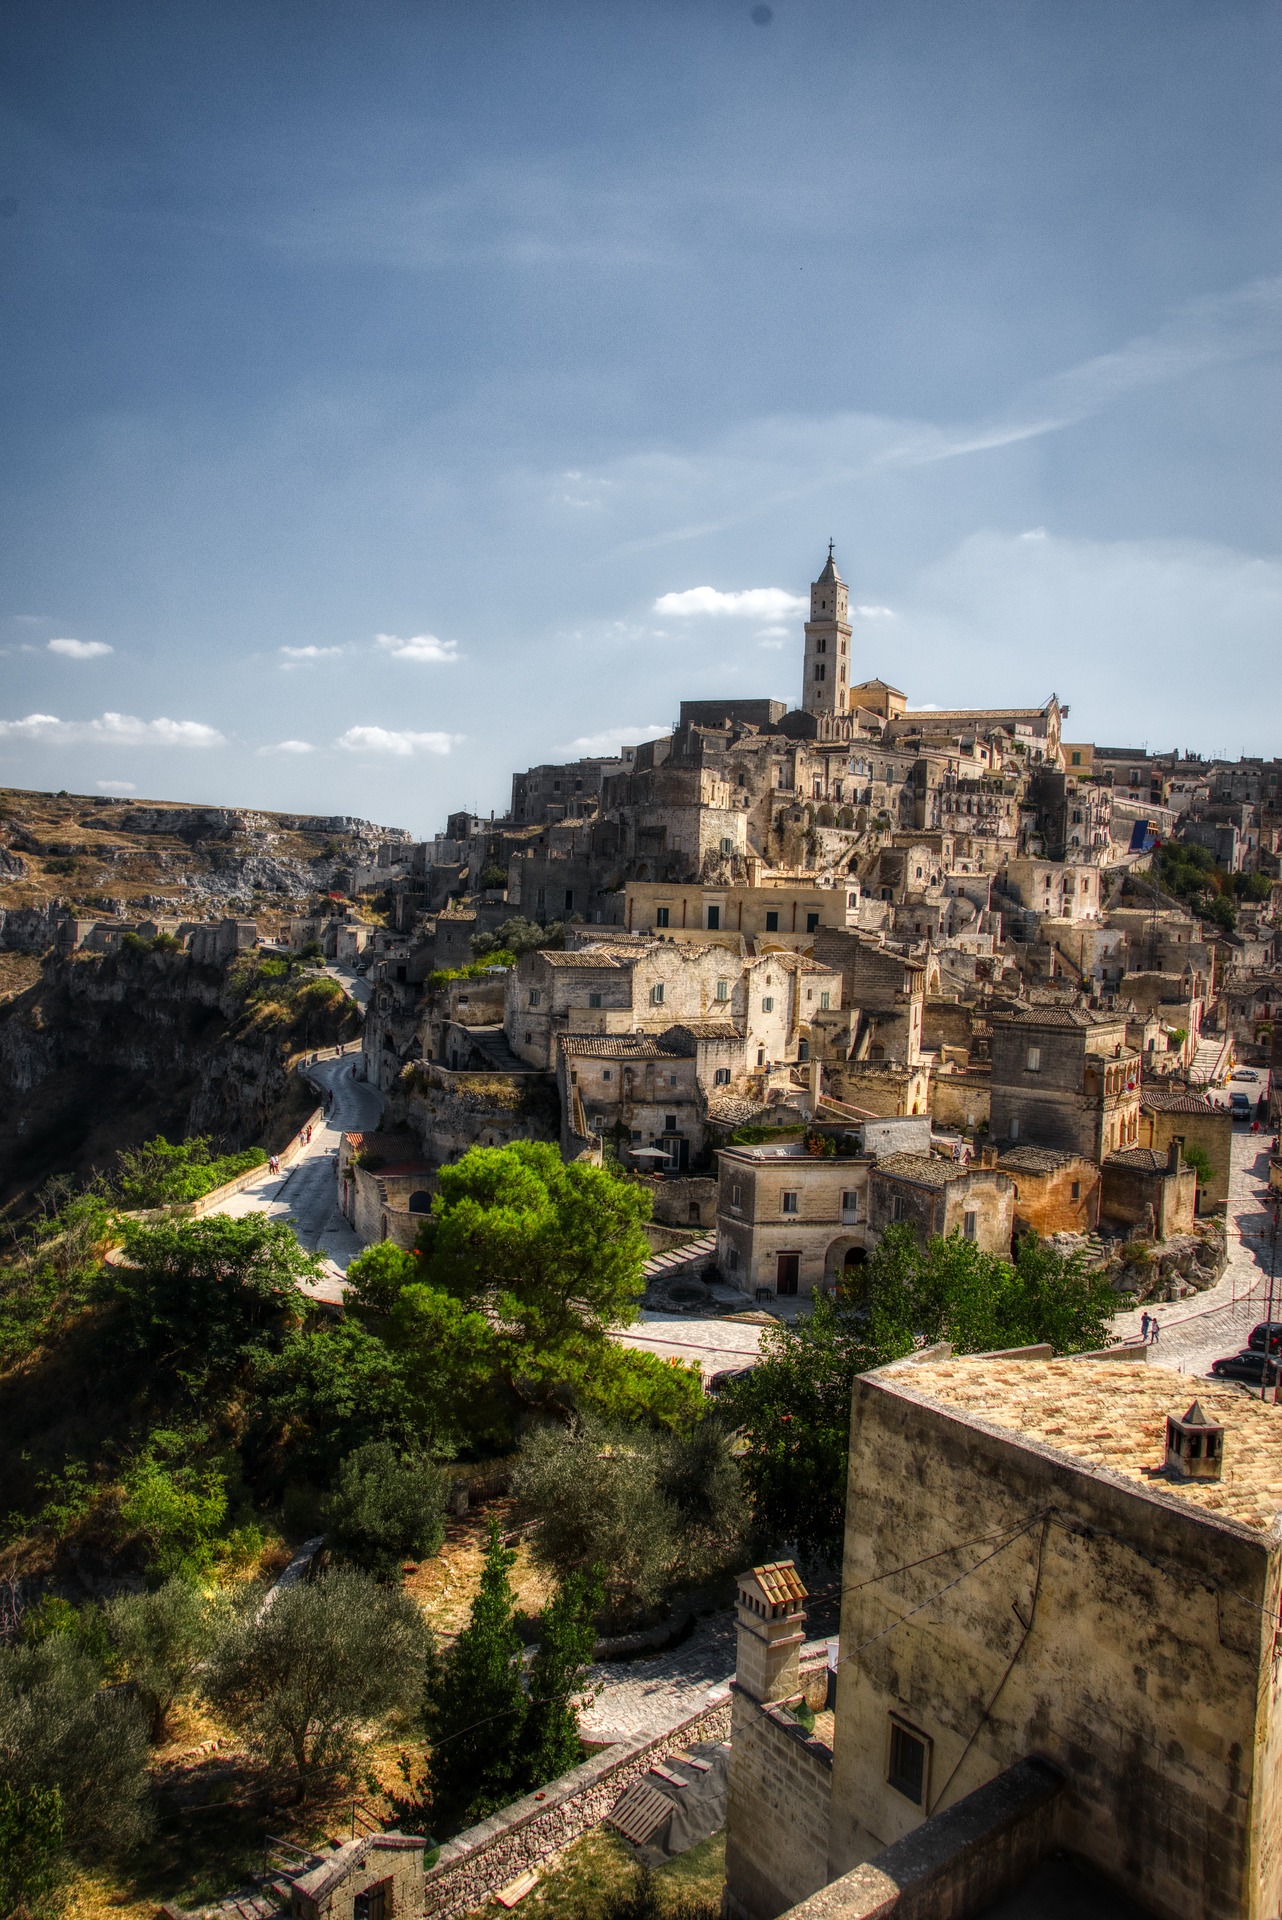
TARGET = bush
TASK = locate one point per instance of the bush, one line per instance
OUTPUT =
(477, 1705)
(652, 1510)
(32, 1870)
(315, 1673)
(159, 1640)
(161, 1174)
(59, 1730)
(174, 1507)
(388, 1507)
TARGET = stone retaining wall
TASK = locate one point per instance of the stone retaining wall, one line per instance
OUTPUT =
(475, 1864)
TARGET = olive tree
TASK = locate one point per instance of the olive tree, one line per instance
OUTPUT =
(311, 1674)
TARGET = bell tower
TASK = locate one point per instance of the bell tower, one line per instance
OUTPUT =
(826, 684)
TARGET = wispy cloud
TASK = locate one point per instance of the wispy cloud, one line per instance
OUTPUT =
(115, 786)
(289, 746)
(390, 741)
(114, 729)
(79, 649)
(420, 646)
(758, 603)
(304, 656)
(611, 739)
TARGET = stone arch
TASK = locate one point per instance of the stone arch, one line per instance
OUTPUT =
(847, 1251)
(420, 1202)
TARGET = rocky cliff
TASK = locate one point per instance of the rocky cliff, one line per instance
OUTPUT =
(105, 1050)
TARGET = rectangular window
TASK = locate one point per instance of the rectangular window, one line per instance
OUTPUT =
(669, 1123)
(768, 1004)
(714, 919)
(970, 1226)
(661, 916)
(897, 1207)
(772, 921)
(727, 846)
(850, 1205)
(732, 1260)
(825, 1001)
(812, 922)
(1077, 1189)
(906, 1767)
(1034, 1060)
(821, 672)
(605, 1075)
(791, 1203)
(635, 1136)
(534, 996)
(569, 898)
(721, 1078)
(656, 994)
(736, 1195)
(594, 999)
(803, 1049)
(723, 989)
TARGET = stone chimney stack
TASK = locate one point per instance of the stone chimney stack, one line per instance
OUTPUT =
(771, 1631)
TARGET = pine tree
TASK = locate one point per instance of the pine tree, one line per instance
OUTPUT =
(476, 1715)
(551, 1744)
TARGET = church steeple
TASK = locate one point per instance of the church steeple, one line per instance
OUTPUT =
(826, 685)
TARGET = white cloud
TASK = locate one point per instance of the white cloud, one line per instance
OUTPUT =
(116, 729)
(297, 656)
(289, 746)
(116, 786)
(761, 603)
(421, 647)
(79, 649)
(385, 740)
(610, 739)
(873, 613)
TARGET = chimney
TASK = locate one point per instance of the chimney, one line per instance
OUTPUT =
(771, 1631)
(1194, 1446)
(1174, 1158)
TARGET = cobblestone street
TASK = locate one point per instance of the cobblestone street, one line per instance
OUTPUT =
(1196, 1331)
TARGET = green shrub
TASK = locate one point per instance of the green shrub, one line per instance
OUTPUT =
(161, 1173)
(388, 1507)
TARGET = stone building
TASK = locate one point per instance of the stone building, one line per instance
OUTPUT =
(640, 1090)
(1154, 1192)
(1055, 1672)
(787, 1221)
(779, 911)
(1059, 890)
(1054, 1192)
(1170, 1117)
(649, 985)
(938, 1198)
(1064, 1077)
(384, 1185)
(887, 988)
(374, 1876)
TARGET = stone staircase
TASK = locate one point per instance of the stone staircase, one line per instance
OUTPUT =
(677, 1262)
(1211, 1059)
(491, 1042)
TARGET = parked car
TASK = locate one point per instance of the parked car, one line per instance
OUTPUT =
(1246, 1073)
(1245, 1366)
(1270, 1329)
(1240, 1106)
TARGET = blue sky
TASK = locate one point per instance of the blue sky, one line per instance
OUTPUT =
(380, 381)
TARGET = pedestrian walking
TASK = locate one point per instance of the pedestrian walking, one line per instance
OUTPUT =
(1156, 1328)
(273, 1164)
(1145, 1322)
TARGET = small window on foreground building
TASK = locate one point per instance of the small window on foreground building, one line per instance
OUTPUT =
(727, 846)
(594, 999)
(661, 916)
(906, 1765)
(897, 1207)
(768, 1005)
(656, 994)
(534, 996)
(970, 1226)
(714, 919)
(772, 922)
(721, 1078)
(723, 989)
(791, 1203)
(605, 1075)
(1077, 1189)
(850, 1203)
(812, 922)
(736, 1195)
(732, 1259)
(1034, 1060)
(825, 1001)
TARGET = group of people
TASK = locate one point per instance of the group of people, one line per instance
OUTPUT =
(1150, 1328)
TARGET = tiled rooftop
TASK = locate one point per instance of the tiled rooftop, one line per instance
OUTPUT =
(927, 1169)
(618, 1046)
(1159, 1100)
(1103, 1414)
(1034, 1160)
(1139, 1159)
(779, 1582)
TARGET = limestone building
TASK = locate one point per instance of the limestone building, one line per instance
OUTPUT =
(1064, 1077)
(1056, 1666)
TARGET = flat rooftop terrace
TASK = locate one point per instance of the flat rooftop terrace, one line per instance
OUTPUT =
(1103, 1415)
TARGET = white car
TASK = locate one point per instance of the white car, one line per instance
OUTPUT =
(1245, 1073)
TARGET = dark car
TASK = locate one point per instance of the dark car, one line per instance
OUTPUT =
(1270, 1329)
(1245, 1366)
(1239, 1106)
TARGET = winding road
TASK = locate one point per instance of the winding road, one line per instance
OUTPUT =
(306, 1193)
